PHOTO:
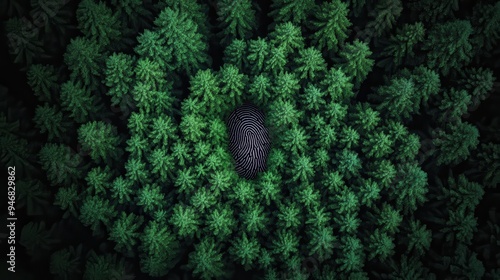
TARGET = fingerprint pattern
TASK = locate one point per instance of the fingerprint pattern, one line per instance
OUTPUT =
(249, 141)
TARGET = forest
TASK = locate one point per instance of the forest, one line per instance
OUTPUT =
(383, 120)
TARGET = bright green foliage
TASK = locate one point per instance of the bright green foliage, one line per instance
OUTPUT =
(182, 40)
(98, 180)
(221, 222)
(217, 132)
(313, 98)
(203, 199)
(61, 164)
(244, 192)
(206, 260)
(185, 180)
(287, 36)
(399, 98)
(285, 243)
(449, 45)
(310, 63)
(354, 173)
(380, 245)
(308, 196)
(282, 113)
(201, 150)
(159, 247)
(205, 86)
(401, 45)
(221, 180)
(419, 238)
(192, 127)
(254, 219)
(337, 84)
(83, 57)
(150, 73)
(410, 190)
(42, 79)
(289, 215)
(232, 86)
(295, 140)
(100, 139)
(151, 100)
(486, 22)
(236, 53)
(455, 142)
(379, 145)
(50, 120)
(185, 221)
(355, 60)
(150, 45)
(408, 148)
(269, 185)
(276, 60)
(138, 123)
(97, 22)
(384, 171)
(276, 159)
(119, 71)
(136, 170)
(245, 249)
(369, 192)
(321, 242)
(65, 263)
(136, 145)
(345, 201)
(389, 219)
(237, 19)
(303, 168)
(260, 89)
(286, 86)
(195, 11)
(352, 256)
(321, 158)
(348, 163)
(150, 197)
(290, 10)
(96, 210)
(331, 25)
(454, 105)
(349, 137)
(258, 51)
(348, 222)
(124, 231)
(78, 101)
(463, 194)
(384, 16)
(121, 189)
(366, 118)
(478, 82)
(426, 83)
